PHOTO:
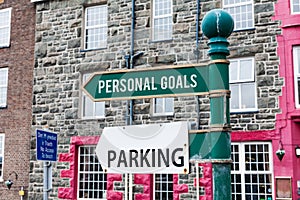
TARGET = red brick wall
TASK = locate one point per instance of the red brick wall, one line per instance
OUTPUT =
(15, 120)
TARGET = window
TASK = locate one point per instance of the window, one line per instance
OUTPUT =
(91, 109)
(162, 20)
(242, 85)
(163, 106)
(91, 178)
(242, 13)
(3, 86)
(295, 6)
(5, 17)
(95, 27)
(251, 171)
(1, 156)
(296, 55)
(163, 186)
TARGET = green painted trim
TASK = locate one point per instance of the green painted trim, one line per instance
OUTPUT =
(222, 181)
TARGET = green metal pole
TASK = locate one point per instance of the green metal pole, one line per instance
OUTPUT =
(217, 25)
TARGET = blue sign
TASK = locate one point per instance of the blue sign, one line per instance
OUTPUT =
(46, 145)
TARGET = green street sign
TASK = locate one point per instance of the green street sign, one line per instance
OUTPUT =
(146, 83)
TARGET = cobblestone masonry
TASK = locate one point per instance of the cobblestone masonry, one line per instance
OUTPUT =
(60, 62)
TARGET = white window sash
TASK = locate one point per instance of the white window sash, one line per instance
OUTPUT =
(4, 85)
(2, 141)
(94, 115)
(85, 97)
(227, 6)
(239, 82)
(87, 172)
(242, 165)
(90, 27)
(6, 26)
(236, 4)
(241, 170)
(296, 63)
(163, 16)
(240, 109)
(292, 7)
(163, 105)
(161, 182)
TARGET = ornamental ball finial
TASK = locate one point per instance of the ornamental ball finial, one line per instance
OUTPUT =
(217, 23)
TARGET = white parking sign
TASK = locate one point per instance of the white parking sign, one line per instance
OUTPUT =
(155, 148)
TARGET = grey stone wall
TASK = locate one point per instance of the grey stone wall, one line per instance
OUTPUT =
(60, 62)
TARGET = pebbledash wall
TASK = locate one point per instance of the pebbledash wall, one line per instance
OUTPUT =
(16, 107)
(61, 61)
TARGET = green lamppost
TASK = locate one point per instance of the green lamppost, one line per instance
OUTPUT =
(217, 25)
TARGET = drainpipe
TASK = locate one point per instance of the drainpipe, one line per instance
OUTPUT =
(197, 30)
(197, 55)
(132, 32)
(128, 102)
(130, 62)
(131, 101)
(132, 55)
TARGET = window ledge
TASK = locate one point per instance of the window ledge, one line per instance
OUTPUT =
(4, 46)
(3, 107)
(34, 1)
(244, 111)
(245, 29)
(157, 41)
(162, 114)
(92, 118)
(295, 117)
(97, 49)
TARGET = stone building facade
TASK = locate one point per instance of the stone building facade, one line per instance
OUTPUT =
(66, 54)
(17, 28)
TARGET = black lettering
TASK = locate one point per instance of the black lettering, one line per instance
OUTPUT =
(109, 158)
(144, 158)
(153, 157)
(122, 159)
(165, 158)
(133, 158)
(181, 164)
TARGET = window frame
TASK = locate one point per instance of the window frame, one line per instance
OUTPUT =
(235, 5)
(86, 28)
(292, 7)
(6, 26)
(163, 113)
(242, 167)
(163, 16)
(161, 182)
(4, 86)
(2, 140)
(296, 67)
(99, 172)
(85, 97)
(241, 82)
